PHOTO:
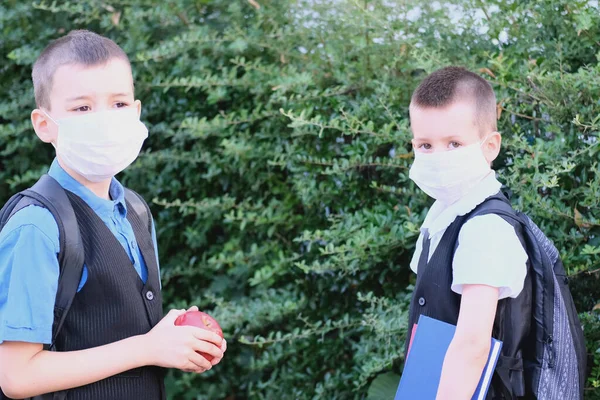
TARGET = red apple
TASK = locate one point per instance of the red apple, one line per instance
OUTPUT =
(201, 320)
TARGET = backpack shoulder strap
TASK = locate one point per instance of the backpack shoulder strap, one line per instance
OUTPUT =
(7, 210)
(500, 205)
(48, 193)
(497, 204)
(140, 207)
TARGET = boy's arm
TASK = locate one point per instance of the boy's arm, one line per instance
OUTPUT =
(489, 264)
(28, 278)
(469, 350)
(26, 370)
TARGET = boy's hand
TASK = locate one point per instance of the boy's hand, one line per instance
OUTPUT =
(178, 347)
(215, 360)
(223, 348)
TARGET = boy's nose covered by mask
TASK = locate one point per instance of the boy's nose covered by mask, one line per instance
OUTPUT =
(448, 175)
(99, 145)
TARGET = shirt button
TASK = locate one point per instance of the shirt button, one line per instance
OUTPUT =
(150, 295)
(421, 301)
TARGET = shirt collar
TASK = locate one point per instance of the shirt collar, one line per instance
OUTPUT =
(104, 208)
(441, 215)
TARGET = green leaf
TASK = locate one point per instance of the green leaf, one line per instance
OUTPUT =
(384, 387)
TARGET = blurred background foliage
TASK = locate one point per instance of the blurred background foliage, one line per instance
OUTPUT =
(278, 155)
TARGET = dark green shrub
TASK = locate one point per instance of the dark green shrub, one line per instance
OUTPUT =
(278, 157)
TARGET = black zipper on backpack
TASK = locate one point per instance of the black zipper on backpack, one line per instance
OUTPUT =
(551, 353)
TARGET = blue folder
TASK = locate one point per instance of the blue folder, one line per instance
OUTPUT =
(423, 368)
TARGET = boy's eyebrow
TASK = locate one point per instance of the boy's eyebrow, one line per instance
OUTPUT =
(452, 137)
(121, 94)
(449, 137)
(84, 97)
(78, 98)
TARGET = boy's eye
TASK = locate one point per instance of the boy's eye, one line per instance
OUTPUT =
(425, 146)
(454, 145)
(121, 105)
(82, 109)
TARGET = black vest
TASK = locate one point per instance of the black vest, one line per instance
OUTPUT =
(114, 304)
(434, 298)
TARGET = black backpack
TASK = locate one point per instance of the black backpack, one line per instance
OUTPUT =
(48, 193)
(557, 367)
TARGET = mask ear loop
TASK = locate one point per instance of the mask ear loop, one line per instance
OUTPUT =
(483, 142)
(484, 139)
(48, 115)
(51, 119)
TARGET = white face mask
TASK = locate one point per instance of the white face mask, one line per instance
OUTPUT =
(449, 175)
(100, 145)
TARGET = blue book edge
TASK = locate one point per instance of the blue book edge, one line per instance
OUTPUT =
(488, 371)
(445, 329)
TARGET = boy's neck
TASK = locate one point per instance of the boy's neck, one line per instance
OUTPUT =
(100, 189)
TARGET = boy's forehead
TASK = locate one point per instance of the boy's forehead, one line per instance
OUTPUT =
(77, 80)
(455, 120)
(458, 110)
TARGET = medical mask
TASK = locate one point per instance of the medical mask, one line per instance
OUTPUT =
(449, 175)
(99, 145)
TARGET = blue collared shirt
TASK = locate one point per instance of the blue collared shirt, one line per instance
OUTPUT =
(29, 268)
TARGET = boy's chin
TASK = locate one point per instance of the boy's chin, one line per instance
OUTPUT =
(80, 178)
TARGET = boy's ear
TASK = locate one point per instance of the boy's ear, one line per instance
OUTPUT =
(491, 147)
(44, 127)
(138, 105)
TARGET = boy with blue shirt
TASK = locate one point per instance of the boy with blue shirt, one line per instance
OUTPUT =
(114, 337)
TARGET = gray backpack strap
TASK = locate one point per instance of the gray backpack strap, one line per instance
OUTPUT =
(48, 193)
(52, 196)
(140, 207)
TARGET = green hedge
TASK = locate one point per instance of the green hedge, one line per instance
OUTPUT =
(278, 156)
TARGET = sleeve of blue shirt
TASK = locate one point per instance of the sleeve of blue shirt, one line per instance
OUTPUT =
(156, 251)
(28, 276)
(29, 273)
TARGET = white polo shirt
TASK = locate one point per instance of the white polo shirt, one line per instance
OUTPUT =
(489, 251)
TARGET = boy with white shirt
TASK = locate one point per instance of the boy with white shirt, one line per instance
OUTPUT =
(475, 282)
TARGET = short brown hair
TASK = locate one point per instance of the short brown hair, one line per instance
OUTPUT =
(77, 47)
(450, 84)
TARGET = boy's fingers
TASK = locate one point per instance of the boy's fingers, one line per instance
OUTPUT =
(224, 346)
(206, 335)
(172, 315)
(208, 348)
(191, 367)
(200, 362)
(193, 308)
